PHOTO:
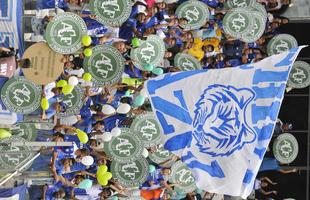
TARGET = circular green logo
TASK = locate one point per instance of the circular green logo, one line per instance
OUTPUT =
(300, 75)
(259, 8)
(130, 173)
(20, 95)
(258, 28)
(126, 147)
(72, 103)
(25, 130)
(240, 3)
(183, 177)
(195, 12)
(147, 129)
(285, 148)
(14, 156)
(186, 62)
(238, 21)
(111, 12)
(281, 43)
(63, 34)
(106, 65)
(160, 155)
(151, 51)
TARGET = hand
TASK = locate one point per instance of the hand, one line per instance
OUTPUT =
(151, 183)
(92, 16)
(275, 192)
(53, 168)
(294, 170)
(274, 183)
(45, 187)
(171, 23)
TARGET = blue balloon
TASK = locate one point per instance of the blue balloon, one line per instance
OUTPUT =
(139, 100)
(85, 184)
(152, 168)
(158, 71)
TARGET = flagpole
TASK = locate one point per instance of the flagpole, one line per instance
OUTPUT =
(18, 170)
(37, 144)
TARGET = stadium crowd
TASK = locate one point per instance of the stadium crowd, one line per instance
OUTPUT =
(209, 44)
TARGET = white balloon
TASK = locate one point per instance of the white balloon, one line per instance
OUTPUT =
(144, 93)
(123, 108)
(108, 110)
(73, 80)
(115, 132)
(145, 153)
(107, 136)
(87, 160)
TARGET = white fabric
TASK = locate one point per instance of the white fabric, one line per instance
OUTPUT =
(220, 121)
(68, 120)
(92, 193)
(76, 72)
(14, 197)
(48, 90)
(257, 184)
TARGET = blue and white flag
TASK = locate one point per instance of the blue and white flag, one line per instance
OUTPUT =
(11, 24)
(219, 122)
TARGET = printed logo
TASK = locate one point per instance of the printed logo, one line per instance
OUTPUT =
(131, 173)
(111, 12)
(195, 12)
(148, 129)
(220, 126)
(106, 65)
(126, 147)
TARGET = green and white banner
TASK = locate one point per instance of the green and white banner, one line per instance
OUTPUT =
(299, 75)
(131, 173)
(147, 129)
(150, 51)
(111, 13)
(20, 95)
(281, 43)
(124, 148)
(186, 62)
(64, 33)
(106, 65)
(195, 12)
(285, 148)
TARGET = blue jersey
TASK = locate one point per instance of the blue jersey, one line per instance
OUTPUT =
(211, 3)
(46, 4)
(234, 62)
(113, 121)
(49, 195)
(152, 22)
(253, 45)
(136, 73)
(269, 164)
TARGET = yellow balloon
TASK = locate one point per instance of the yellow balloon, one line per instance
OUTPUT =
(61, 83)
(102, 181)
(82, 136)
(107, 175)
(67, 89)
(88, 52)
(86, 40)
(44, 104)
(4, 133)
(87, 77)
(101, 170)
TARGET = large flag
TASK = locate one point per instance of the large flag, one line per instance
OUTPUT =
(11, 24)
(16, 193)
(219, 122)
